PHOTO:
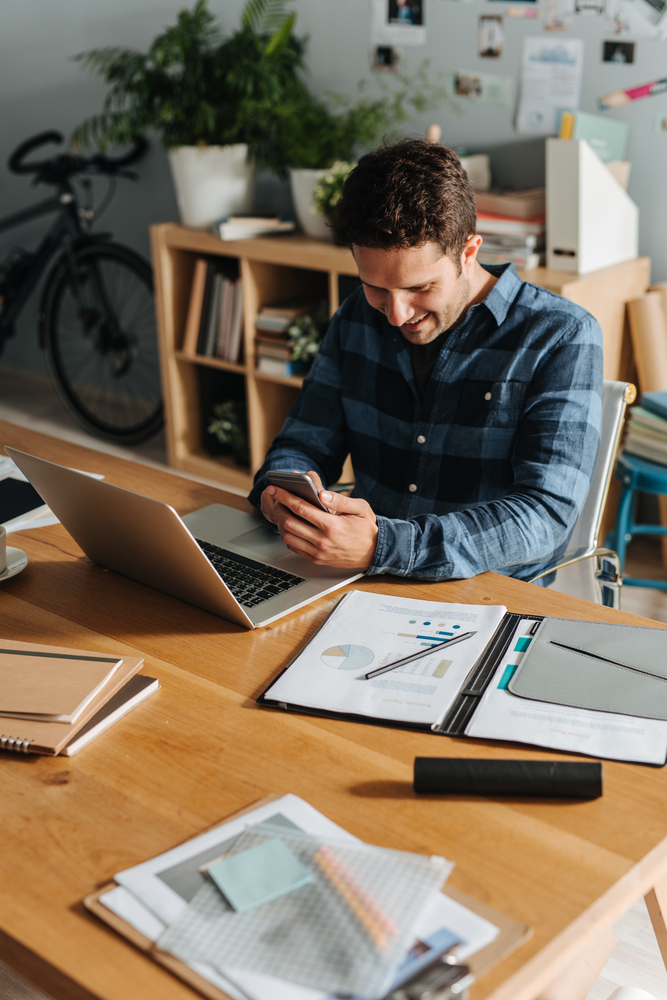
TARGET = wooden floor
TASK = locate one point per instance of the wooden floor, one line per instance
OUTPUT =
(30, 400)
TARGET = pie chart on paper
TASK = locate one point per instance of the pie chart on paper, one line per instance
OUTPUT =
(347, 657)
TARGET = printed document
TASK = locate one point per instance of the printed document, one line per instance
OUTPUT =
(504, 716)
(366, 631)
(551, 71)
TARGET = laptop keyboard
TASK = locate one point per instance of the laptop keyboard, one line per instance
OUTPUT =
(250, 582)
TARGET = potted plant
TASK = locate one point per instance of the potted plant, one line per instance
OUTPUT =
(313, 134)
(211, 99)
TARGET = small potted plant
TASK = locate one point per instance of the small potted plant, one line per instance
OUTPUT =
(313, 134)
(211, 99)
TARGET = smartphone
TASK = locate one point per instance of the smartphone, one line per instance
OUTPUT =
(297, 483)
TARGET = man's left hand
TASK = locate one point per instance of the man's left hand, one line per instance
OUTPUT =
(345, 539)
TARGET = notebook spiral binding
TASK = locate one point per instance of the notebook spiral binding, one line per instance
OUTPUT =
(12, 743)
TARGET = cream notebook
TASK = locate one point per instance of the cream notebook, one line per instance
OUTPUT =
(27, 736)
(48, 683)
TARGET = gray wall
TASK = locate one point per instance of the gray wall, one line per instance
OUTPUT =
(40, 88)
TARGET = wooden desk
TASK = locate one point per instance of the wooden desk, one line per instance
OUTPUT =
(200, 749)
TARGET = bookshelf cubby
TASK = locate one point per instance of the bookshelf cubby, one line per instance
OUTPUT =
(272, 269)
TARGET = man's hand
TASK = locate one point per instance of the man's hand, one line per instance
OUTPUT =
(345, 541)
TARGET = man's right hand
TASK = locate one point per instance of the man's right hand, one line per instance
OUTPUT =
(269, 505)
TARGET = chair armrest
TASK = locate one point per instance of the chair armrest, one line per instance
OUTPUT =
(609, 553)
(610, 581)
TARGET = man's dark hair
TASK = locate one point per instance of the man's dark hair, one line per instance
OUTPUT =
(404, 195)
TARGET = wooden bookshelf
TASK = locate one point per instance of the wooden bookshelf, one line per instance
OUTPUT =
(281, 267)
(272, 269)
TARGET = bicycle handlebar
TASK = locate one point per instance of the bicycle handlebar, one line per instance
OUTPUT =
(14, 163)
(137, 150)
(59, 168)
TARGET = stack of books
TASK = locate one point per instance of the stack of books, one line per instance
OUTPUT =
(55, 700)
(513, 225)
(243, 227)
(214, 324)
(646, 430)
(273, 348)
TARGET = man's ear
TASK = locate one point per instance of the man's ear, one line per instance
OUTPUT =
(469, 253)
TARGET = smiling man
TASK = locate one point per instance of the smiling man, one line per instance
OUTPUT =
(469, 401)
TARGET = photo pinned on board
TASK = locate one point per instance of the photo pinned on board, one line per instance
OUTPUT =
(405, 12)
(385, 59)
(559, 15)
(589, 6)
(485, 88)
(467, 85)
(618, 52)
(490, 36)
(397, 22)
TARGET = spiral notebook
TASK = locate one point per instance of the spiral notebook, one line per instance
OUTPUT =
(45, 737)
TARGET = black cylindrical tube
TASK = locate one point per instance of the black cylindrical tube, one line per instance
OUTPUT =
(538, 778)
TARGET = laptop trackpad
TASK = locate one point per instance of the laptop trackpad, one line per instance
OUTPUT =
(263, 541)
(265, 545)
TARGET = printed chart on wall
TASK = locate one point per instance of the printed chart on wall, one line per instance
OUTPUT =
(551, 72)
(367, 631)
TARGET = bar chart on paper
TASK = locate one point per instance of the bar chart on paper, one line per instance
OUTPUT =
(428, 634)
(369, 631)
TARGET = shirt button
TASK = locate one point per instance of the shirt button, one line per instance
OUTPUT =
(487, 396)
(421, 439)
(412, 487)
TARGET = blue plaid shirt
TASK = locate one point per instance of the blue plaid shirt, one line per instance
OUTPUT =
(491, 469)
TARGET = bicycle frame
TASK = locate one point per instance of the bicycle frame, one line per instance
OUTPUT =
(66, 232)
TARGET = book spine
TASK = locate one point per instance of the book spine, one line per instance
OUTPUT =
(205, 309)
(193, 320)
(15, 744)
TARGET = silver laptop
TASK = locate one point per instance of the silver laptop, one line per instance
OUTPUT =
(217, 558)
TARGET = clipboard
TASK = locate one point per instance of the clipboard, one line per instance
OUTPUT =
(512, 933)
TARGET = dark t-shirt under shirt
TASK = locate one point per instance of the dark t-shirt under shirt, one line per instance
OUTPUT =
(424, 357)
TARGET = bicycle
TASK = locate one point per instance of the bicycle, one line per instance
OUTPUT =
(96, 317)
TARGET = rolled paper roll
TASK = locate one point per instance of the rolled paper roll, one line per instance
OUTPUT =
(536, 778)
(648, 328)
(661, 287)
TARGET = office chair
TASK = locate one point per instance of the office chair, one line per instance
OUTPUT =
(585, 570)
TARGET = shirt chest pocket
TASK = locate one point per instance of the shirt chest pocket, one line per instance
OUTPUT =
(490, 404)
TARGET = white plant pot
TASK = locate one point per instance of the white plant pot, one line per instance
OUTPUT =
(212, 182)
(303, 183)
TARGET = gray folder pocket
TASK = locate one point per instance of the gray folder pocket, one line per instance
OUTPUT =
(608, 668)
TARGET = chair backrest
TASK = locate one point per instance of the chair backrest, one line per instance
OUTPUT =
(615, 397)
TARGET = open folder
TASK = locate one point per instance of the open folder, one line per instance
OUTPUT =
(467, 689)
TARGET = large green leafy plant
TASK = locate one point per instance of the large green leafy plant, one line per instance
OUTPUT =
(314, 133)
(196, 87)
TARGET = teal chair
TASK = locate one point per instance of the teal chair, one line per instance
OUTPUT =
(637, 475)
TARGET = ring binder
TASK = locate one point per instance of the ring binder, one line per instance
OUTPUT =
(461, 712)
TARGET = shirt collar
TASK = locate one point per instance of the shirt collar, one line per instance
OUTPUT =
(504, 292)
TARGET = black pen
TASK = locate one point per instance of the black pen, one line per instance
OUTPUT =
(416, 656)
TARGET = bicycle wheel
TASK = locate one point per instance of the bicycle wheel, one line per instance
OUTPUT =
(100, 341)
